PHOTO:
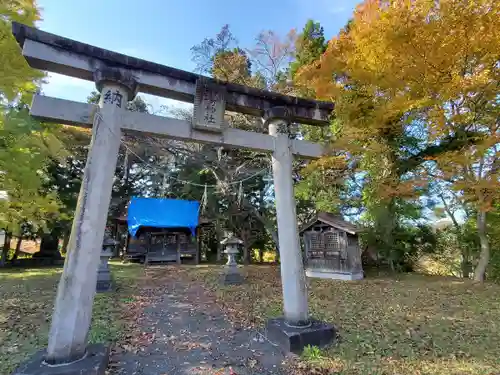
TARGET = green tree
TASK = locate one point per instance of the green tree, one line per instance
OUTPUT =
(309, 46)
(397, 78)
(64, 175)
(17, 80)
(25, 144)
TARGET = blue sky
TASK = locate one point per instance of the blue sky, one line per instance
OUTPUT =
(163, 31)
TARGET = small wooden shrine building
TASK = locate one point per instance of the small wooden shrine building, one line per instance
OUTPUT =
(162, 230)
(331, 248)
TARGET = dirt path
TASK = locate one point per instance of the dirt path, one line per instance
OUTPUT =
(182, 331)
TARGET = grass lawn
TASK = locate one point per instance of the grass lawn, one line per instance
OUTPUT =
(408, 324)
(27, 297)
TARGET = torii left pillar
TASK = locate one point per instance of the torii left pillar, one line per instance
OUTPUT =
(68, 352)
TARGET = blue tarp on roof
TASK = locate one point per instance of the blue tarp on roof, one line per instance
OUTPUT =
(162, 213)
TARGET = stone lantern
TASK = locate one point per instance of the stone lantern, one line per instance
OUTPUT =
(231, 274)
(103, 273)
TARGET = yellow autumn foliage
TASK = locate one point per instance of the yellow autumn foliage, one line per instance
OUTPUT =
(422, 65)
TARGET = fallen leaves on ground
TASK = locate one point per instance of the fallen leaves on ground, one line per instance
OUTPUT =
(406, 324)
(27, 298)
(409, 324)
(26, 302)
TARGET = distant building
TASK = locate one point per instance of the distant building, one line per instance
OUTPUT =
(162, 230)
(331, 248)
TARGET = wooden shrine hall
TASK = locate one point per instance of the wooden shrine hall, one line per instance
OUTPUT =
(331, 248)
(162, 230)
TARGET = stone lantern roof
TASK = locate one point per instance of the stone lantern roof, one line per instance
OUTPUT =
(231, 240)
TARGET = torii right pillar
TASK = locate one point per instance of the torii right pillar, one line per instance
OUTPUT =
(295, 329)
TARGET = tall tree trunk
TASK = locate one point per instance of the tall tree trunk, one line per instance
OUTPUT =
(219, 252)
(18, 248)
(218, 237)
(269, 227)
(264, 221)
(246, 254)
(465, 264)
(126, 168)
(5, 249)
(49, 247)
(385, 225)
(484, 256)
(65, 242)
(246, 237)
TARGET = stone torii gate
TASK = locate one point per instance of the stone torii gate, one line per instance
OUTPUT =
(118, 78)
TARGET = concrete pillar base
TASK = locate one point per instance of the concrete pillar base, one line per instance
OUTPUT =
(334, 275)
(231, 278)
(104, 281)
(94, 363)
(295, 339)
(104, 286)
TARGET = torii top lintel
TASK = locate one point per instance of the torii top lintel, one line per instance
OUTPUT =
(57, 54)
